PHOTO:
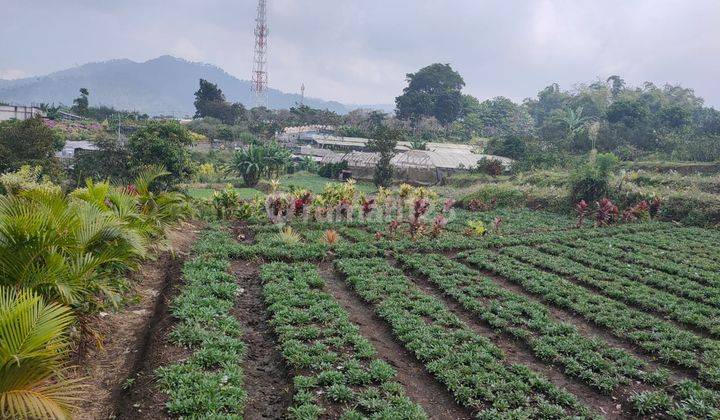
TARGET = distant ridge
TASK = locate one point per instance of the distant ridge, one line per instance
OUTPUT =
(161, 86)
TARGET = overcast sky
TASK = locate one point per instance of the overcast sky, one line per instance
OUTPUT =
(358, 51)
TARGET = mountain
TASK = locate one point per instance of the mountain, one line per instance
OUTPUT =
(161, 86)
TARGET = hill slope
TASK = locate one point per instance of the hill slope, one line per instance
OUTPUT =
(164, 85)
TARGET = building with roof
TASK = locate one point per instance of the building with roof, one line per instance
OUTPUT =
(19, 112)
(72, 146)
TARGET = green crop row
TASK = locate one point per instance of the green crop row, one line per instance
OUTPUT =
(619, 288)
(574, 234)
(606, 247)
(674, 249)
(472, 368)
(653, 335)
(209, 383)
(589, 359)
(678, 286)
(336, 367)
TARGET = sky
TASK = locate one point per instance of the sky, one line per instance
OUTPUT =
(359, 51)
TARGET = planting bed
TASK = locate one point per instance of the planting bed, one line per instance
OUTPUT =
(536, 319)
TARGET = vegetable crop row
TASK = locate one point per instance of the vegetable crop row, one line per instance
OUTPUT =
(208, 384)
(470, 366)
(589, 359)
(675, 249)
(616, 287)
(336, 365)
(606, 247)
(678, 286)
(651, 334)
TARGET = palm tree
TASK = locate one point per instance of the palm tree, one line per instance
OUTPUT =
(56, 246)
(33, 349)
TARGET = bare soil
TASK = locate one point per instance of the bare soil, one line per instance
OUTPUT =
(420, 386)
(134, 342)
(267, 380)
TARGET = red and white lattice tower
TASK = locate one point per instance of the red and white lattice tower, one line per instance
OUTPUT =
(259, 75)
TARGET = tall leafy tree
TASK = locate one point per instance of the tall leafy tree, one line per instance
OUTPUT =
(434, 91)
(383, 142)
(28, 142)
(162, 143)
(81, 104)
(210, 102)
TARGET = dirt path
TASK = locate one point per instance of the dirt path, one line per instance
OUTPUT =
(267, 379)
(134, 342)
(518, 353)
(420, 386)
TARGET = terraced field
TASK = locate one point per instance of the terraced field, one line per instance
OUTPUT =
(536, 320)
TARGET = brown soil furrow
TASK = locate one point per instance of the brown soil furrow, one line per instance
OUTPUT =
(419, 385)
(518, 353)
(120, 377)
(267, 380)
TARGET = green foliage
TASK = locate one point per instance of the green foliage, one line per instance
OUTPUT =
(210, 102)
(467, 363)
(259, 160)
(28, 142)
(591, 182)
(26, 178)
(162, 143)
(434, 91)
(513, 147)
(81, 103)
(209, 383)
(383, 142)
(33, 349)
(111, 161)
(502, 195)
(332, 170)
(316, 335)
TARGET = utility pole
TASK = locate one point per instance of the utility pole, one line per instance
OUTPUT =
(259, 75)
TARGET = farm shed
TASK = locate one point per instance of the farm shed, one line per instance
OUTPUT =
(419, 166)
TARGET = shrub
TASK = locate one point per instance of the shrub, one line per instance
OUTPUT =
(504, 195)
(591, 182)
(492, 167)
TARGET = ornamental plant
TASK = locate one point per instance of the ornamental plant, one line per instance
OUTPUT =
(607, 212)
(582, 210)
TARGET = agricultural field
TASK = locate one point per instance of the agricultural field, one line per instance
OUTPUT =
(501, 313)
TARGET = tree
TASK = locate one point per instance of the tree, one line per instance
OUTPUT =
(29, 142)
(511, 146)
(434, 91)
(110, 161)
(617, 84)
(210, 102)
(573, 120)
(162, 143)
(502, 117)
(632, 113)
(81, 103)
(259, 160)
(383, 142)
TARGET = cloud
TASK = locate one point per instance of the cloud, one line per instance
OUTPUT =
(10, 74)
(184, 48)
(360, 50)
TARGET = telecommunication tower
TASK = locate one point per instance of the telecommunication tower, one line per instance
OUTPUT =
(259, 75)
